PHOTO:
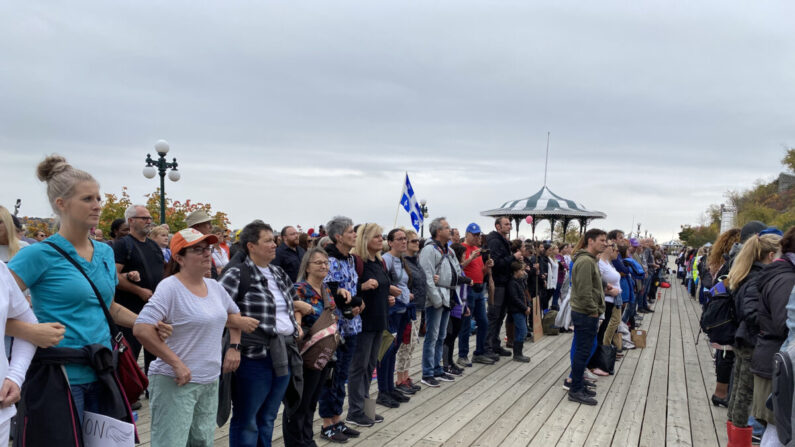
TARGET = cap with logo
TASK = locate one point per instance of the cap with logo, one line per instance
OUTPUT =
(473, 228)
(190, 237)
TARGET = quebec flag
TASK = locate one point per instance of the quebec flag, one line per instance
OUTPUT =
(409, 203)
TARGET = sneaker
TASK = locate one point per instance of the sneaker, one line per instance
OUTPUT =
(483, 359)
(405, 388)
(599, 372)
(347, 431)
(333, 434)
(494, 356)
(411, 384)
(521, 358)
(378, 418)
(360, 421)
(504, 353)
(399, 397)
(430, 381)
(386, 400)
(756, 439)
(444, 377)
(582, 398)
(453, 370)
(589, 375)
(464, 362)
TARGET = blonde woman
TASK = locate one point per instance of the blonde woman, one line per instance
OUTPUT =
(9, 242)
(374, 288)
(743, 280)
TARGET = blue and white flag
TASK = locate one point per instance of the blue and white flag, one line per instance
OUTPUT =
(409, 203)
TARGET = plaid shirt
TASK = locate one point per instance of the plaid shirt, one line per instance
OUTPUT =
(258, 301)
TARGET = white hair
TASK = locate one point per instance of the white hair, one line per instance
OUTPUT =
(131, 210)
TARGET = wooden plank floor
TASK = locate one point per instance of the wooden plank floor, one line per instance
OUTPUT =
(658, 396)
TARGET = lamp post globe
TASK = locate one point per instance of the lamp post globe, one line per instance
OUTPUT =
(150, 171)
(173, 175)
(162, 147)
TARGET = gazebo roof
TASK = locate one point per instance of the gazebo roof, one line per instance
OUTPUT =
(545, 204)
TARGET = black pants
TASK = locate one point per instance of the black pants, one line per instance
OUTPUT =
(496, 314)
(136, 346)
(723, 365)
(453, 329)
(297, 428)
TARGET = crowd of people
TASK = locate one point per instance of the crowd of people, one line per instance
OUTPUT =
(257, 319)
(749, 271)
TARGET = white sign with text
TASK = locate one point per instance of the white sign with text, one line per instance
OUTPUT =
(103, 431)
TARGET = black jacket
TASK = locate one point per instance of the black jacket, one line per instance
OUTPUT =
(289, 260)
(376, 301)
(501, 254)
(775, 285)
(746, 298)
(417, 281)
(514, 296)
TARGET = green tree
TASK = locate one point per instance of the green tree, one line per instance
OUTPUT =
(113, 208)
(789, 159)
(696, 236)
(572, 233)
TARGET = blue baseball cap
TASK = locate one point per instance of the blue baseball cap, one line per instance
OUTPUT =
(771, 230)
(473, 228)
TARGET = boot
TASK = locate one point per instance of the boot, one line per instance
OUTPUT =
(517, 353)
(739, 436)
(509, 331)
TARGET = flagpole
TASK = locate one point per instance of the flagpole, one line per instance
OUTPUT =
(546, 162)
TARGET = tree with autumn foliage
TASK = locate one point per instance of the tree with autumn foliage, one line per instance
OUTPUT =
(176, 211)
(114, 206)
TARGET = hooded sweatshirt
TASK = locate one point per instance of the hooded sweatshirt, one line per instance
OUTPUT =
(587, 294)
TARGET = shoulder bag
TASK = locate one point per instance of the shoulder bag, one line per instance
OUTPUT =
(132, 379)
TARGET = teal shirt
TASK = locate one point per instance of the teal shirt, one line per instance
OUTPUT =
(61, 294)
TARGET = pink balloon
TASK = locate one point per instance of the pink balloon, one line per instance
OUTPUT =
(529, 219)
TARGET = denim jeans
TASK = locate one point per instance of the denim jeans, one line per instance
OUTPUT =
(332, 397)
(585, 328)
(86, 397)
(556, 295)
(433, 346)
(642, 303)
(256, 399)
(519, 334)
(476, 301)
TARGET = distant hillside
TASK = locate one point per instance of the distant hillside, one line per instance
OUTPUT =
(772, 203)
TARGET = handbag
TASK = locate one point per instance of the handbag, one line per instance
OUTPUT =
(605, 358)
(321, 342)
(133, 381)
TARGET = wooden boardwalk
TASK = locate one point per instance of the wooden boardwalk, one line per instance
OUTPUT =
(659, 396)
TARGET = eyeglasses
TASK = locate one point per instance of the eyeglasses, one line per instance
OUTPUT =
(199, 250)
(320, 263)
(146, 218)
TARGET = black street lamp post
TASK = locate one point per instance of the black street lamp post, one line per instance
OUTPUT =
(160, 166)
(424, 209)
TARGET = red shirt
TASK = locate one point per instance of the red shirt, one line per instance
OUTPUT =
(474, 270)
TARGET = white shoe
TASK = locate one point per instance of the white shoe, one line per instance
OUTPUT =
(590, 375)
(628, 345)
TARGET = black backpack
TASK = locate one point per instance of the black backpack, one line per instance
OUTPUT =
(719, 319)
(783, 389)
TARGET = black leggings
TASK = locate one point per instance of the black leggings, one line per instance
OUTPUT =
(453, 329)
(723, 365)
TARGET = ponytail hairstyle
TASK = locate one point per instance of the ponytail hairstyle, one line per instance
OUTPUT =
(61, 179)
(754, 249)
(11, 232)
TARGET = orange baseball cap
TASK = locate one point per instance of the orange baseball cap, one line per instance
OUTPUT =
(189, 237)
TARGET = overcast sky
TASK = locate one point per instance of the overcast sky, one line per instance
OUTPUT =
(293, 112)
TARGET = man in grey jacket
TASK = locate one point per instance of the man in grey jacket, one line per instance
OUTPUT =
(441, 272)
